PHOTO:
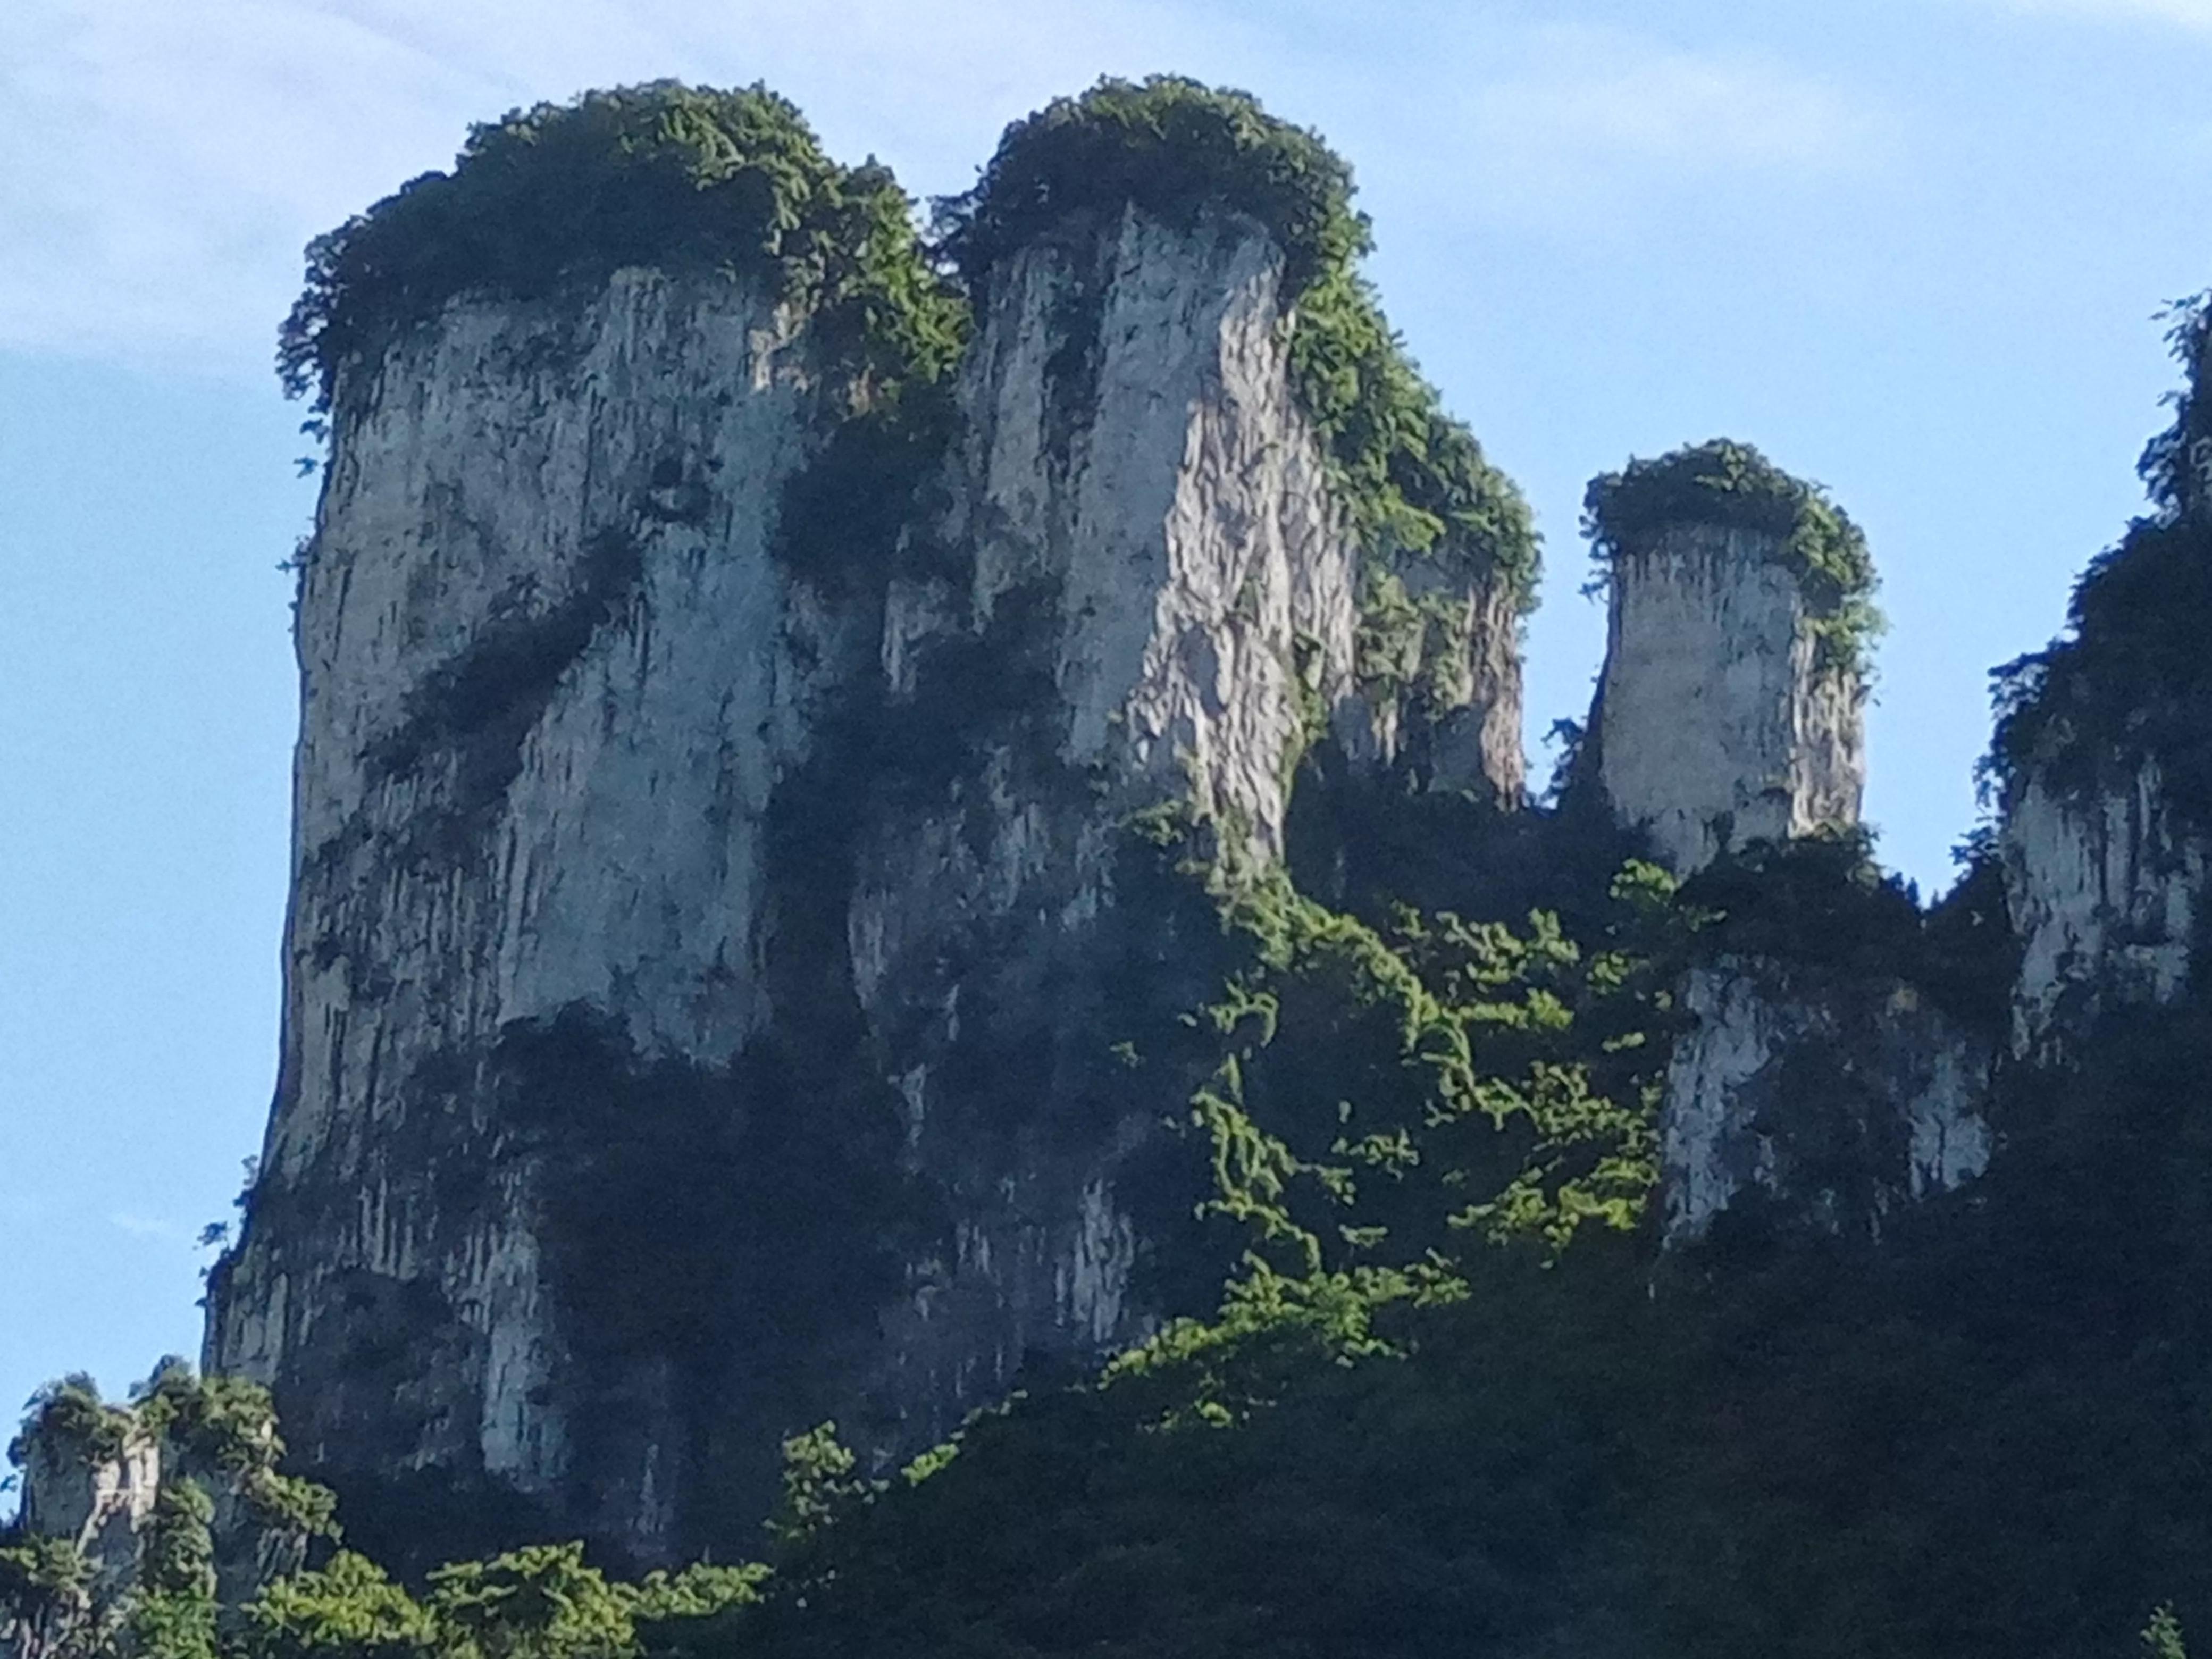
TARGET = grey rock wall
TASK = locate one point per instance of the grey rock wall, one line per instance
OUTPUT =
(1717, 722)
(1836, 1099)
(548, 676)
(2105, 887)
(1461, 732)
(97, 1502)
(1147, 537)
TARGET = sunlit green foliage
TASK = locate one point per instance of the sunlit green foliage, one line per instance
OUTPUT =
(1732, 486)
(1176, 148)
(666, 176)
(71, 1415)
(541, 1602)
(227, 1426)
(818, 1482)
(1384, 1090)
(347, 1608)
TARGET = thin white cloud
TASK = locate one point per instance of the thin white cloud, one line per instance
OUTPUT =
(160, 166)
(1600, 112)
(140, 1226)
(2184, 14)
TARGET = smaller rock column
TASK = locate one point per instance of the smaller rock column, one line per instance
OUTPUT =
(1731, 706)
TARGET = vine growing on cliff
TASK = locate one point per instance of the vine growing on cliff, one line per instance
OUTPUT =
(1388, 1093)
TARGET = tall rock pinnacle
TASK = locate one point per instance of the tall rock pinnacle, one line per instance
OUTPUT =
(1730, 709)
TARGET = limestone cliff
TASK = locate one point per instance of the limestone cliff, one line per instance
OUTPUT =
(549, 674)
(2100, 758)
(1835, 1097)
(1718, 723)
(171, 1499)
(1145, 542)
(2105, 887)
(722, 985)
(1729, 724)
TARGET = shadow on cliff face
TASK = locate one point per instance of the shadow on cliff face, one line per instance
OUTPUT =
(696, 1219)
(475, 712)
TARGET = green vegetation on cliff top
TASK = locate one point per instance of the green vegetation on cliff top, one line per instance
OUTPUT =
(681, 177)
(2131, 680)
(663, 175)
(1730, 485)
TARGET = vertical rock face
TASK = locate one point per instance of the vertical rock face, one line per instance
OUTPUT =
(2100, 748)
(1143, 543)
(549, 677)
(1134, 451)
(1439, 703)
(719, 993)
(98, 1499)
(1729, 721)
(1719, 720)
(2105, 887)
(1837, 1099)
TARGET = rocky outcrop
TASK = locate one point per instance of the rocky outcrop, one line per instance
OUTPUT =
(1832, 1098)
(97, 1497)
(1729, 724)
(2105, 886)
(1720, 719)
(722, 987)
(174, 1495)
(1438, 707)
(1133, 451)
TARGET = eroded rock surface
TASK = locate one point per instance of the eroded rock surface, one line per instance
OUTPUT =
(2105, 887)
(1834, 1098)
(1718, 721)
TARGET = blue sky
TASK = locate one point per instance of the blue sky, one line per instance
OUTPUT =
(1911, 247)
